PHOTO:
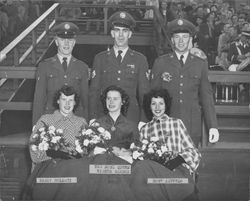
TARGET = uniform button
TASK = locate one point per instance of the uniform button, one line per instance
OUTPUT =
(66, 84)
(181, 76)
(181, 101)
(118, 79)
(65, 76)
(119, 71)
(181, 84)
(181, 92)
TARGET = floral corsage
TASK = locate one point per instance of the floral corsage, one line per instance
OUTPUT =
(152, 149)
(91, 137)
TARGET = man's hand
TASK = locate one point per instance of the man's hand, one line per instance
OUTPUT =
(213, 135)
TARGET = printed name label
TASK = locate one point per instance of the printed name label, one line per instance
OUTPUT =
(56, 180)
(109, 169)
(167, 181)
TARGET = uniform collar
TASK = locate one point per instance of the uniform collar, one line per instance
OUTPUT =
(124, 51)
(60, 57)
(185, 56)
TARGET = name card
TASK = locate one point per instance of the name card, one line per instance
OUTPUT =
(109, 169)
(56, 180)
(167, 181)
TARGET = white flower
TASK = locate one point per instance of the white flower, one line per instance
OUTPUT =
(107, 135)
(43, 134)
(59, 130)
(92, 121)
(95, 124)
(151, 150)
(87, 132)
(52, 128)
(137, 155)
(35, 135)
(154, 139)
(55, 139)
(132, 146)
(96, 139)
(43, 146)
(144, 147)
(41, 129)
(33, 147)
(79, 149)
(164, 148)
(159, 152)
(101, 130)
(144, 141)
(86, 142)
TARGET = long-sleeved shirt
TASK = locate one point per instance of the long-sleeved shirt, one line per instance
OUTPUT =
(173, 133)
(71, 126)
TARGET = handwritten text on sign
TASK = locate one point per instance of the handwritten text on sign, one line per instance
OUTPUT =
(167, 181)
(56, 180)
(110, 169)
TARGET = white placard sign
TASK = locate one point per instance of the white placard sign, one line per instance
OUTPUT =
(56, 180)
(109, 169)
(167, 181)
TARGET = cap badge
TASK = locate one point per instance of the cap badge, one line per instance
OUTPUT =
(122, 15)
(66, 26)
(180, 22)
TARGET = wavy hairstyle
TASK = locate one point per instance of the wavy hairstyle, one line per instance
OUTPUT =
(155, 93)
(124, 96)
(67, 91)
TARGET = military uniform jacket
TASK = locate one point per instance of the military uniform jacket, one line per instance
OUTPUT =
(236, 49)
(189, 88)
(130, 75)
(50, 77)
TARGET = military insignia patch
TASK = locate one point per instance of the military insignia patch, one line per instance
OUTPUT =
(166, 77)
(180, 22)
(131, 66)
(122, 15)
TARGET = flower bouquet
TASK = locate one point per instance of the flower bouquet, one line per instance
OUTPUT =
(91, 137)
(151, 148)
(51, 140)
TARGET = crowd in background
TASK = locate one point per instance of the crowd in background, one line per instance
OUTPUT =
(219, 22)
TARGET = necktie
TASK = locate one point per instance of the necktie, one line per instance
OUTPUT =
(64, 64)
(119, 56)
(181, 60)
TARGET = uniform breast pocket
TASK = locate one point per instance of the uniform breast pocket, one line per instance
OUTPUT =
(76, 81)
(194, 81)
(130, 74)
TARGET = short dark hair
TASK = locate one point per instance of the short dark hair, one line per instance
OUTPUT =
(67, 91)
(124, 96)
(155, 93)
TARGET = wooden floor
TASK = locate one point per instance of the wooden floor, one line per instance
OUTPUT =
(224, 175)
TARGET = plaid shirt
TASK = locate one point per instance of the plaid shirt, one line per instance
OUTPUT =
(173, 133)
(71, 126)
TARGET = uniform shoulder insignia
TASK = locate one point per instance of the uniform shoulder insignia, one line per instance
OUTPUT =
(167, 55)
(198, 53)
(133, 52)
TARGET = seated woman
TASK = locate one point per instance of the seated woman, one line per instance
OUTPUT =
(185, 159)
(83, 184)
(123, 132)
(52, 163)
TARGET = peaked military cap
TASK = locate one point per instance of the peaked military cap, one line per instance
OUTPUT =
(122, 19)
(181, 26)
(66, 30)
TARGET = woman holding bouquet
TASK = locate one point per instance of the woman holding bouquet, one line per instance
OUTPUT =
(52, 144)
(152, 178)
(114, 187)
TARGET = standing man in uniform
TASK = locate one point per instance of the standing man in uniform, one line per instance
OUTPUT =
(185, 76)
(62, 69)
(120, 66)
